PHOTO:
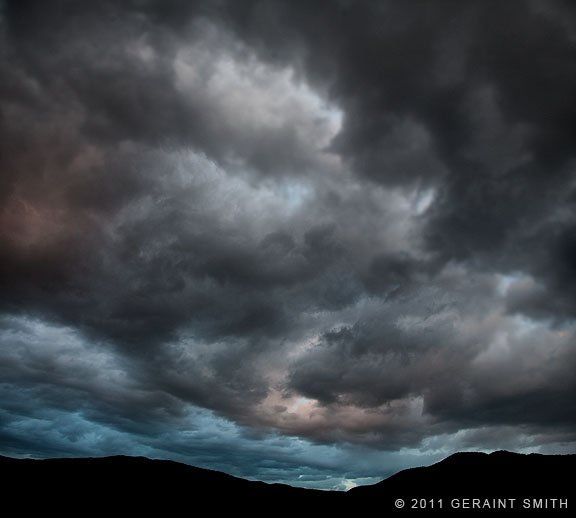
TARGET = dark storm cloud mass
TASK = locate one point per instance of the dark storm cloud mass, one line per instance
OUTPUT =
(329, 223)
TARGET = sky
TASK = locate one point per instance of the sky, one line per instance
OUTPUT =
(311, 242)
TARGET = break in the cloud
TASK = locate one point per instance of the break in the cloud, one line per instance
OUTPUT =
(309, 242)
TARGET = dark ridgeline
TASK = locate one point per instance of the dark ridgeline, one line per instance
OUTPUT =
(497, 476)
(137, 485)
(73, 487)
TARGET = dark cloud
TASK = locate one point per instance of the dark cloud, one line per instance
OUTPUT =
(346, 222)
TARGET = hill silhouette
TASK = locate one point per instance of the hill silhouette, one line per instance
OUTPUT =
(476, 483)
(502, 483)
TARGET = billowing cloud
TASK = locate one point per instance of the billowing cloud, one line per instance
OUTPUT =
(233, 231)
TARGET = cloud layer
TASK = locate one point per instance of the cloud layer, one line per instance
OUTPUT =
(340, 225)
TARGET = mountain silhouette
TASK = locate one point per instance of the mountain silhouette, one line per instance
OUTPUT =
(503, 483)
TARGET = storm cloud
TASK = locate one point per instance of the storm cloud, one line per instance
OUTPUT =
(337, 226)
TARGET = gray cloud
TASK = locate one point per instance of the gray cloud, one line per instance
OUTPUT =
(347, 222)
